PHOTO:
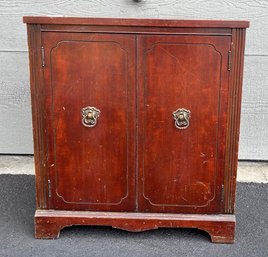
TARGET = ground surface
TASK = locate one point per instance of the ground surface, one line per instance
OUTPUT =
(17, 207)
(23, 164)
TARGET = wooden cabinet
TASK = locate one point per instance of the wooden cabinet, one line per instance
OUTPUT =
(136, 123)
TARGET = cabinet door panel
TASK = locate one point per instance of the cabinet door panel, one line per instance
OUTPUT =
(91, 168)
(180, 170)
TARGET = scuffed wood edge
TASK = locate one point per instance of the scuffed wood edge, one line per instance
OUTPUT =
(37, 98)
(48, 224)
(233, 122)
(136, 22)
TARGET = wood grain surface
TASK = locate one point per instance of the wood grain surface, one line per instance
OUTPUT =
(98, 163)
(135, 159)
(48, 224)
(182, 170)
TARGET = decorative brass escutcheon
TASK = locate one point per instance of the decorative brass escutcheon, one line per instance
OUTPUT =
(90, 116)
(181, 117)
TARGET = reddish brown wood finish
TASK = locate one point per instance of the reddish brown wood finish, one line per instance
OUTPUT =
(182, 170)
(137, 72)
(37, 99)
(220, 227)
(136, 22)
(90, 70)
(233, 114)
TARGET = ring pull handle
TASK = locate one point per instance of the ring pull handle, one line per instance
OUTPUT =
(90, 116)
(181, 117)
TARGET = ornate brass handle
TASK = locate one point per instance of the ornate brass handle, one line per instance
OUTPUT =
(90, 116)
(181, 117)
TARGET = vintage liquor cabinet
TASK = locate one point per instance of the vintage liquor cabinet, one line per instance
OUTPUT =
(136, 122)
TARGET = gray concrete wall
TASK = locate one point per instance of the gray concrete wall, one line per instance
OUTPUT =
(15, 115)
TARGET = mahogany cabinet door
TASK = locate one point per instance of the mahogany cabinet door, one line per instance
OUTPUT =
(91, 155)
(181, 161)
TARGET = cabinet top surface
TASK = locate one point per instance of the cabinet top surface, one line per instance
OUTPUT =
(136, 22)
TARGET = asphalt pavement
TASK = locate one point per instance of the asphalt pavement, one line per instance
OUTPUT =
(17, 206)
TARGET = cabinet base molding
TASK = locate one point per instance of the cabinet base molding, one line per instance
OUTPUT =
(220, 227)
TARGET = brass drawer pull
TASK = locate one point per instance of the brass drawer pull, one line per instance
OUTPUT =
(181, 117)
(90, 116)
